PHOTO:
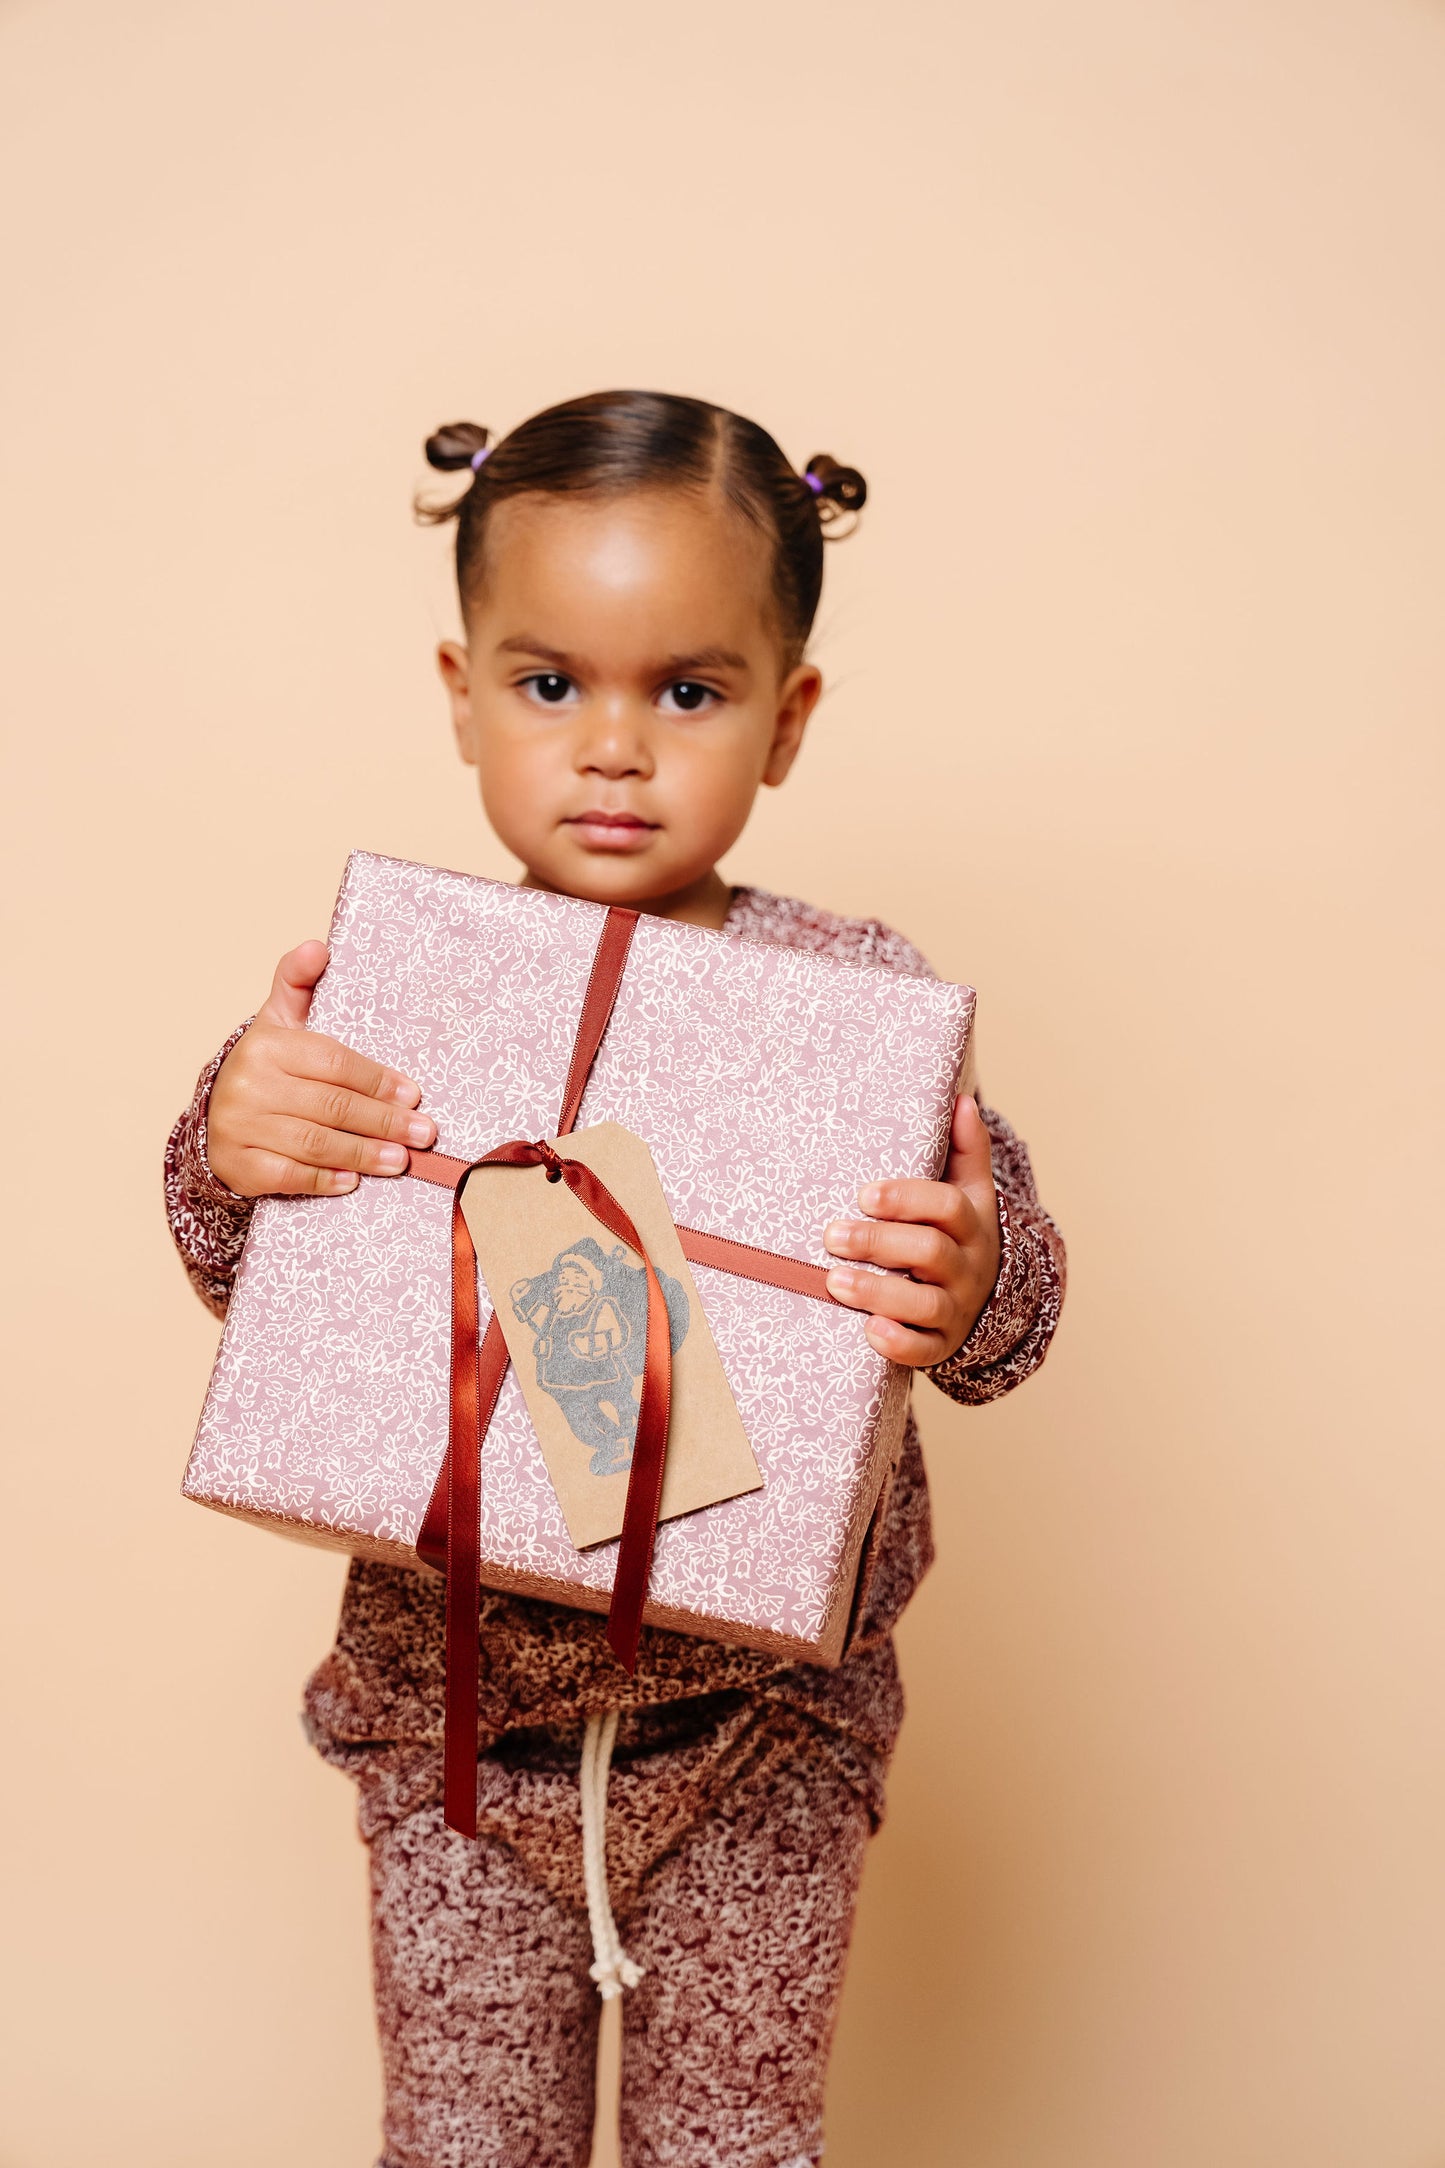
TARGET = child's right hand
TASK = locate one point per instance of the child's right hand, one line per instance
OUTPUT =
(295, 1113)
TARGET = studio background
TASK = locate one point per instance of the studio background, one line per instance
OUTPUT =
(1133, 316)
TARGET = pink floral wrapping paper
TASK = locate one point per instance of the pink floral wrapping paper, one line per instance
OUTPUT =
(768, 1083)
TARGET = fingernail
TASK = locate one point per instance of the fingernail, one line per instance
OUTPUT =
(421, 1131)
(840, 1283)
(835, 1235)
(407, 1092)
(340, 1181)
(393, 1157)
(870, 1197)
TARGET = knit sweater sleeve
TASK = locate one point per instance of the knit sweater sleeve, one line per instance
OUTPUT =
(208, 1221)
(1016, 1324)
(1012, 1333)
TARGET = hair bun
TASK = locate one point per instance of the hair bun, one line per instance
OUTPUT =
(456, 444)
(841, 491)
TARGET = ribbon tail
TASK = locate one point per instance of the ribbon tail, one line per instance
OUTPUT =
(478, 1366)
(431, 1543)
(644, 1484)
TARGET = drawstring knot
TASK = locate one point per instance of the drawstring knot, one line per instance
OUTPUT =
(612, 1968)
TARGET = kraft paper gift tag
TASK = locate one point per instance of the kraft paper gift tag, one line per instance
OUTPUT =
(571, 1300)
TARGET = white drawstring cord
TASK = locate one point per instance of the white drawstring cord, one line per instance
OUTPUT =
(613, 1969)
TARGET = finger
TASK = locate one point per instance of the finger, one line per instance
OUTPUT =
(902, 1345)
(273, 1174)
(889, 1294)
(332, 1106)
(289, 1001)
(931, 1204)
(312, 1144)
(925, 1251)
(970, 1158)
(324, 1060)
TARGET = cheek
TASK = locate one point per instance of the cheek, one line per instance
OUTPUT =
(516, 792)
(721, 769)
(514, 766)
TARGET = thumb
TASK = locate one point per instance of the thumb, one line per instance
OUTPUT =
(970, 1158)
(289, 1001)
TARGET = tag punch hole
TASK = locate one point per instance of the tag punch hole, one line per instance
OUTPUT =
(550, 1160)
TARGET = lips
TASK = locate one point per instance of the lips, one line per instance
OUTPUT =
(604, 831)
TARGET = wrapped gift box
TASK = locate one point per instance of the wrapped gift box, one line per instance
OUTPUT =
(769, 1083)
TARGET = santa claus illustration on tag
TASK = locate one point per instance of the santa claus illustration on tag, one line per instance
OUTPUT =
(588, 1315)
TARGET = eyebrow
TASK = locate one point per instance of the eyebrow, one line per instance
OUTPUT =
(700, 658)
(705, 658)
(524, 644)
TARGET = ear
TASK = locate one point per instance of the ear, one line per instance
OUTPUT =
(797, 697)
(454, 667)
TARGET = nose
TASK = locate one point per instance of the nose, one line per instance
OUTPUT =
(613, 740)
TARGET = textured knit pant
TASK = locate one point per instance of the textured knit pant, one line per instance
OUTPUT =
(489, 2020)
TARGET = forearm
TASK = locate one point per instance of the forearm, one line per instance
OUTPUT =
(208, 1221)
(1016, 1324)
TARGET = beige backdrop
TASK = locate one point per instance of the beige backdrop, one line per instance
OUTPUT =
(1132, 313)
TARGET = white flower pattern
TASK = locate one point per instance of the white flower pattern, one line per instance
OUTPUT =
(767, 1082)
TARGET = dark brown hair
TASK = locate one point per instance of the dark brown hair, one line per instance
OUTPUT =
(614, 441)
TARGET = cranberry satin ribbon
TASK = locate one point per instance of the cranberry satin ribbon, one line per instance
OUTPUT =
(450, 1537)
(478, 1367)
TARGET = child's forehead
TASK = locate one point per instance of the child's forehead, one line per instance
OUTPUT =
(645, 574)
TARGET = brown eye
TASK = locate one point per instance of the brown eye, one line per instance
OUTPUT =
(548, 686)
(687, 697)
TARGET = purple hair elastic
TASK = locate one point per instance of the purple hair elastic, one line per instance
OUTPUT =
(478, 457)
(815, 483)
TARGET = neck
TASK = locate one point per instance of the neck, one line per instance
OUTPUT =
(704, 902)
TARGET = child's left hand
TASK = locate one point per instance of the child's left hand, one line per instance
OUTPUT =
(943, 1235)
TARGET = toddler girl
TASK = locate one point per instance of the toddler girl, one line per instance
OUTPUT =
(638, 578)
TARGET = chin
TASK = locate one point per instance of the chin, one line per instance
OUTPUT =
(598, 876)
(626, 877)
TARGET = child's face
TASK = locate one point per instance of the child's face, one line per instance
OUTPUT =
(622, 694)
